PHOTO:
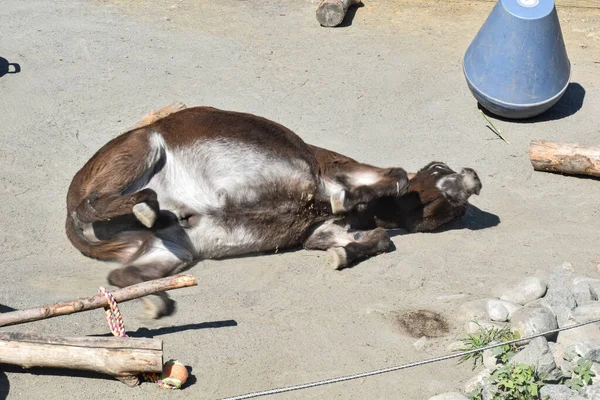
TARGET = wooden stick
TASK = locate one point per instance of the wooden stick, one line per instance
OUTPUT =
(123, 358)
(91, 303)
(332, 12)
(159, 114)
(566, 158)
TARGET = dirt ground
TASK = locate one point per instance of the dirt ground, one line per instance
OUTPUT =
(387, 89)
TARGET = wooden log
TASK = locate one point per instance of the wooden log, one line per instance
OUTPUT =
(98, 301)
(332, 12)
(566, 158)
(123, 358)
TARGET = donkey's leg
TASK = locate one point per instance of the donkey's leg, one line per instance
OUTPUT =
(350, 185)
(364, 183)
(164, 252)
(345, 247)
(118, 177)
(436, 195)
(103, 207)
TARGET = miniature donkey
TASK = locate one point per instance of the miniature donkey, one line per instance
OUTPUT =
(194, 183)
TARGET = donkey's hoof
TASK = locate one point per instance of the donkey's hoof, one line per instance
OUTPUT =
(337, 258)
(145, 214)
(158, 305)
(337, 202)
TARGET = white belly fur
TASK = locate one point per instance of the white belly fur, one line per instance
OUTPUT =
(203, 178)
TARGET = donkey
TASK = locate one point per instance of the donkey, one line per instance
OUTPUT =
(188, 184)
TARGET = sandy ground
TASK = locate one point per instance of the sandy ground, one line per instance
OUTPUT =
(387, 89)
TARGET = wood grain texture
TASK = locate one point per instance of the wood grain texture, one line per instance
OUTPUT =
(331, 13)
(566, 158)
(91, 303)
(124, 358)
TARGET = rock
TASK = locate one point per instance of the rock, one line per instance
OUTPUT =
(474, 327)
(421, 343)
(593, 354)
(534, 319)
(583, 293)
(525, 291)
(592, 392)
(557, 392)
(456, 346)
(477, 381)
(496, 311)
(474, 309)
(559, 297)
(596, 370)
(490, 361)
(582, 349)
(589, 311)
(501, 310)
(449, 396)
(558, 353)
(560, 309)
(538, 354)
(583, 334)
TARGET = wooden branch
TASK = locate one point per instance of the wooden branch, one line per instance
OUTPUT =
(159, 114)
(123, 358)
(566, 158)
(332, 12)
(98, 301)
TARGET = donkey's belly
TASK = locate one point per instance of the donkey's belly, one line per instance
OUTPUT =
(239, 199)
(217, 237)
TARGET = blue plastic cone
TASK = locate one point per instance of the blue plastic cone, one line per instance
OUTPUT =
(517, 65)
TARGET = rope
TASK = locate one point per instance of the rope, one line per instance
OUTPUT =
(399, 367)
(117, 327)
(113, 315)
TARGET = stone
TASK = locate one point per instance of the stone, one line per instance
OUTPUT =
(534, 319)
(581, 349)
(592, 392)
(583, 292)
(525, 290)
(538, 354)
(596, 370)
(559, 297)
(559, 353)
(456, 346)
(477, 381)
(474, 327)
(583, 334)
(449, 396)
(557, 392)
(560, 309)
(490, 361)
(496, 311)
(421, 343)
(588, 311)
(474, 309)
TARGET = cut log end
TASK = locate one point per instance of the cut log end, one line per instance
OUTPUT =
(330, 14)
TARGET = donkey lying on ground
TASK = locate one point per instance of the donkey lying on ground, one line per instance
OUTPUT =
(205, 183)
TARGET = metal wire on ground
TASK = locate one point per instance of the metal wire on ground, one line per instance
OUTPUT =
(399, 367)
